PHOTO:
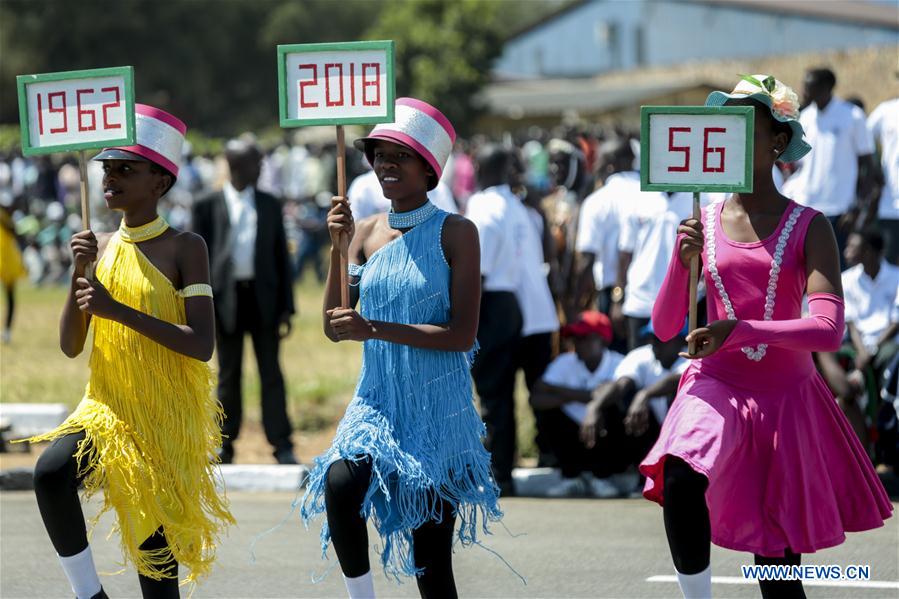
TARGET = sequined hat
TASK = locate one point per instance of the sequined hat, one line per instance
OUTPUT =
(420, 127)
(159, 138)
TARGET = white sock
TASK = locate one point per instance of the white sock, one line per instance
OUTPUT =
(82, 573)
(360, 587)
(696, 586)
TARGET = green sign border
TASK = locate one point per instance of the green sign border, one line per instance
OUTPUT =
(24, 80)
(748, 112)
(285, 49)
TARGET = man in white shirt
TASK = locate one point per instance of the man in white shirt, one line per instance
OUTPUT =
(561, 397)
(620, 406)
(251, 282)
(835, 175)
(645, 246)
(538, 310)
(366, 197)
(645, 384)
(871, 295)
(599, 225)
(883, 124)
(495, 211)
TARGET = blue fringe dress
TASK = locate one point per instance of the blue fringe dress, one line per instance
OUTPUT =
(413, 412)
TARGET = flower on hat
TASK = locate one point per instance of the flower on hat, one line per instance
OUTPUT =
(784, 101)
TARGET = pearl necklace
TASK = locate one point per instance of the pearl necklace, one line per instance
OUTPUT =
(152, 229)
(754, 354)
(412, 218)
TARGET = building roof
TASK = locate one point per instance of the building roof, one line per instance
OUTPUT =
(843, 11)
(870, 73)
(852, 11)
(548, 97)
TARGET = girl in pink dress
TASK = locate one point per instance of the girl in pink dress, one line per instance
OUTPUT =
(755, 454)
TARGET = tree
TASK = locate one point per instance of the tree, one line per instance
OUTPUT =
(444, 51)
(210, 62)
(213, 62)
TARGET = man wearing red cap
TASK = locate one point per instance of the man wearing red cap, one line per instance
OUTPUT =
(564, 398)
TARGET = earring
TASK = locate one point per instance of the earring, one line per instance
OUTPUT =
(776, 150)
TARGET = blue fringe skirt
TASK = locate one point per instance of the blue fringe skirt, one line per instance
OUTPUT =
(413, 469)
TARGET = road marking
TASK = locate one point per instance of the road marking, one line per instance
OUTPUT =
(864, 584)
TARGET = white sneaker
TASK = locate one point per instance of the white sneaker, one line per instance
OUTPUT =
(602, 487)
(568, 487)
(6, 336)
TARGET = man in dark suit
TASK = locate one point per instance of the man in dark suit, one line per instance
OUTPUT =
(251, 282)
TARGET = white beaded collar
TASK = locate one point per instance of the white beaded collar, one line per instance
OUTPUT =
(755, 354)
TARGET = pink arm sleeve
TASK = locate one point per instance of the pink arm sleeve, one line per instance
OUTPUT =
(672, 303)
(821, 331)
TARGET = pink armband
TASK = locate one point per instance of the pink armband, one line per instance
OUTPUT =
(822, 331)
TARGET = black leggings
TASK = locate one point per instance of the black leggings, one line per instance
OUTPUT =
(10, 304)
(432, 543)
(56, 484)
(690, 531)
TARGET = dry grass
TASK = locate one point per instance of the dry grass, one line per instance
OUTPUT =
(320, 375)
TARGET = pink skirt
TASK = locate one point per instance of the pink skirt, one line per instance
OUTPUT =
(785, 468)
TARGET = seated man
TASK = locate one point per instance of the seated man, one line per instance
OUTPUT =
(871, 292)
(649, 375)
(592, 395)
(562, 395)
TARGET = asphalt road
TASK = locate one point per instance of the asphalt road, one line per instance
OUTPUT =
(564, 548)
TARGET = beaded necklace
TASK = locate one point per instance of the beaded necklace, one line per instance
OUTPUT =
(152, 229)
(753, 353)
(412, 218)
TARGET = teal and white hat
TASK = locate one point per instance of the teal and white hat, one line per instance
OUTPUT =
(780, 99)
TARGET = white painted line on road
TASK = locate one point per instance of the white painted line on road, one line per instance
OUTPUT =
(863, 584)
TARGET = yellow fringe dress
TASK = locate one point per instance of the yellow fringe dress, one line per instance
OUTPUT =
(151, 424)
(11, 267)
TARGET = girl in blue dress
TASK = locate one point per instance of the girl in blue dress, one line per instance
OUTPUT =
(408, 452)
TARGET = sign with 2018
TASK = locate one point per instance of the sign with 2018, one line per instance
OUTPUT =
(336, 84)
(696, 148)
(76, 110)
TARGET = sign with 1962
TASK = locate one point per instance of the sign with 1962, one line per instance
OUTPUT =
(76, 110)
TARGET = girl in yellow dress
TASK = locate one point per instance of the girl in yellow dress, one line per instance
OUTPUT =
(148, 424)
(11, 269)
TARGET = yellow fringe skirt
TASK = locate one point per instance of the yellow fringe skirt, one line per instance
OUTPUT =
(151, 425)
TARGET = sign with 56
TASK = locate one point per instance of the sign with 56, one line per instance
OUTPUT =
(76, 110)
(696, 148)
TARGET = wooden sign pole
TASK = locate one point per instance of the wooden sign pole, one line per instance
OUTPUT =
(344, 239)
(694, 280)
(85, 205)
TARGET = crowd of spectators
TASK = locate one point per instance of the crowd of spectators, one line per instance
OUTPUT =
(568, 236)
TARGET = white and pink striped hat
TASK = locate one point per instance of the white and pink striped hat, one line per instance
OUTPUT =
(420, 127)
(159, 137)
